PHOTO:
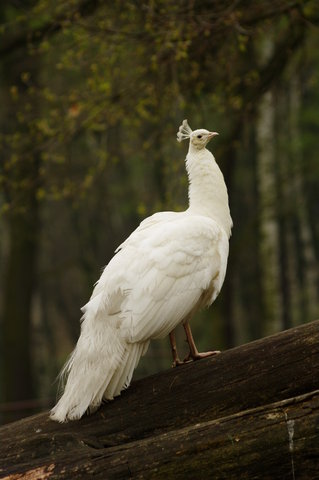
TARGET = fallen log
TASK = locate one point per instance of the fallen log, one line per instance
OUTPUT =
(251, 412)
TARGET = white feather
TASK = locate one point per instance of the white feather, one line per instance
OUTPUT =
(171, 265)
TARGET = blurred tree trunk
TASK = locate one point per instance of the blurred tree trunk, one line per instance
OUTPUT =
(21, 167)
(268, 219)
(19, 286)
(228, 302)
(302, 240)
(249, 273)
(283, 213)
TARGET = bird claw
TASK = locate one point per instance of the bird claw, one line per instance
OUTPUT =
(193, 357)
(187, 359)
(177, 363)
(198, 355)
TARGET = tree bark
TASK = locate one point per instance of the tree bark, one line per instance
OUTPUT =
(250, 412)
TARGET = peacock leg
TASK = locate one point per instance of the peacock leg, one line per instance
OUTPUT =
(176, 360)
(193, 352)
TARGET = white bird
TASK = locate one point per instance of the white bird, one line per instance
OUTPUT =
(169, 267)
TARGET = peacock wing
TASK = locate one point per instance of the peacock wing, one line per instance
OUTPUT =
(168, 272)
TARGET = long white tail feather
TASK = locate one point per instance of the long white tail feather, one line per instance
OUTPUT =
(123, 375)
(101, 366)
(110, 391)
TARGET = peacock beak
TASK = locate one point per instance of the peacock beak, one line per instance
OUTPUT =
(212, 134)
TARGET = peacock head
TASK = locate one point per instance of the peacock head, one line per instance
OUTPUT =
(198, 138)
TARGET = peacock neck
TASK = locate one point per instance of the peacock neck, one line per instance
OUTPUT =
(207, 191)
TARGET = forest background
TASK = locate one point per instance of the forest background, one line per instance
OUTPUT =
(92, 94)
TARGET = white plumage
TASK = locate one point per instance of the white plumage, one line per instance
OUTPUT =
(169, 267)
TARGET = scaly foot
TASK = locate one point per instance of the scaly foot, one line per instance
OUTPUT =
(198, 355)
(177, 363)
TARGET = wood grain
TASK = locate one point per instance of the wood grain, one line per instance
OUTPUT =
(229, 414)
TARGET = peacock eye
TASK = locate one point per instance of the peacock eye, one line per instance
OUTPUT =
(199, 136)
